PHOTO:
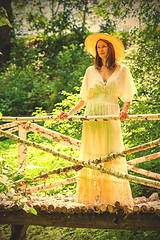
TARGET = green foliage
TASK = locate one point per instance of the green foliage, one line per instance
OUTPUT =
(6, 173)
(9, 176)
(32, 82)
(4, 17)
(54, 17)
(19, 90)
(8, 185)
(70, 67)
(73, 129)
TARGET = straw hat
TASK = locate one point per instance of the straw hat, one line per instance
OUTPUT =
(91, 40)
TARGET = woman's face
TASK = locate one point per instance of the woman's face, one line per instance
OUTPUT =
(102, 49)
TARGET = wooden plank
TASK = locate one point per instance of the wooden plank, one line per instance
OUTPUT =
(144, 159)
(11, 130)
(60, 170)
(144, 172)
(8, 125)
(54, 136)
(49, 185)
(22, 148)
(136, 221)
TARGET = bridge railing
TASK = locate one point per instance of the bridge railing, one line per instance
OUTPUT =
(24, 124)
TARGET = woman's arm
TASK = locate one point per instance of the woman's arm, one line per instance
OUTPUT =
(124, 112)
(79, 105)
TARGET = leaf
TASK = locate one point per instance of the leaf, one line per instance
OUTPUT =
(32, 210)
(4, 21)
(23, 204)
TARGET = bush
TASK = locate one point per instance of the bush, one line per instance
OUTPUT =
(33, 83)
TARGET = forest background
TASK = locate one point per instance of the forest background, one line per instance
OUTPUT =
(42, 63)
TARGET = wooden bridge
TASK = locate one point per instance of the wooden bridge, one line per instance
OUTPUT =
(63, 211)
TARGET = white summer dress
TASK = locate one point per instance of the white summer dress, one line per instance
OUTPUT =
(104, 137)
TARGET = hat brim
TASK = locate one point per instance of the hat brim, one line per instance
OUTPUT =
(91, 40)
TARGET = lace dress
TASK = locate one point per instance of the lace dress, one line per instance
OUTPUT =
(103, 137)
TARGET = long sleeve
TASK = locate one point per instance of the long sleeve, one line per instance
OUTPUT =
(126, 85)
(86, 88)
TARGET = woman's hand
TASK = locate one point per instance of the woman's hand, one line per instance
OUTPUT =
(62, 115)
(124, 112)
(123, 115)
(79, 105)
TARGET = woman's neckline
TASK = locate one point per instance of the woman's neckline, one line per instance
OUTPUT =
(110, 75)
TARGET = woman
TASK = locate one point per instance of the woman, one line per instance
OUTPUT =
(102, 85)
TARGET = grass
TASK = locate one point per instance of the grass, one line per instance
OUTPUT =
(49, 233)
(37, 161)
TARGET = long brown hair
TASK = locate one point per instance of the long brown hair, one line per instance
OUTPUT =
(111, 61)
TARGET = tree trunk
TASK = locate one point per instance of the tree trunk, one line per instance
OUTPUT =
(6, 33)
(84, 12)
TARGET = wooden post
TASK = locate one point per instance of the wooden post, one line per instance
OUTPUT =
(18, 232)
(22, 148)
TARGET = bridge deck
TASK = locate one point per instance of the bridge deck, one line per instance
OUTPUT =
(63, 211)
